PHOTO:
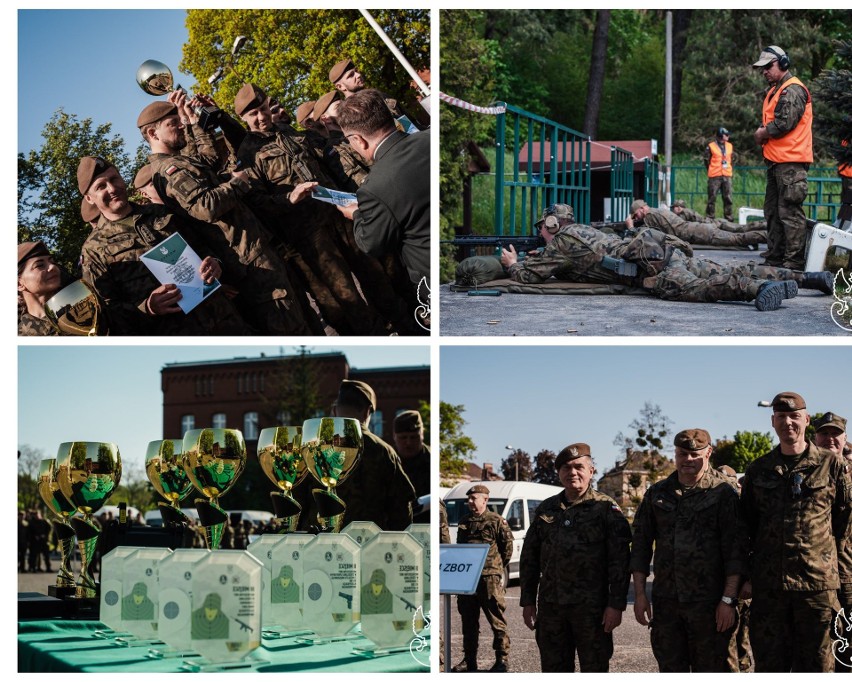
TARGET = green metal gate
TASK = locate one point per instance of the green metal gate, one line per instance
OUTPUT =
(620, 183)
(652, 183)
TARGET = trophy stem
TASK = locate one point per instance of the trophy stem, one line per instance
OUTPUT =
(330, 510)
(87, 542)
(287, 511)
(172, 514)
(65, 577)
(213, 520)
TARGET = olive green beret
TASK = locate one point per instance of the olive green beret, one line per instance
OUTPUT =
(323, 103)
(31, 250)
(339, 69)
(89, 168)
(357, 390)
(829, 419)
(571, 452)
(410, 420)
(304, 111)
(143, 176)
(154, 112)
(692, 439)
(788, 402)
(478, 488)
(249, 97)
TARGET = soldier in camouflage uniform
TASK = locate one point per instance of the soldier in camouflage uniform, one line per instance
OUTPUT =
(347, 168)
(796, 505)
(347, 80)
(680, 209)
(192, 187)
(577, 253)
(39, 278)
(642, 215)
(482, 526)
(414, 454)
(689, 526)
(135, 301)
(575, 561)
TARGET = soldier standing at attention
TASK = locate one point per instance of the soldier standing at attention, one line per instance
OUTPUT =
(795, 501)
(719, 159)
(575, 560)
(482, 526)
(689, 524)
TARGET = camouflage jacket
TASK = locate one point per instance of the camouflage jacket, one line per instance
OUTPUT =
(345, 166)
(796, 518)
(30, 325)
(418, 469)
(444, 523)
(111, 263)
(692, 216)
(281, 160)
(489, 528)
(789, 109)
(577, 553)
(695, 536)
(671, 223)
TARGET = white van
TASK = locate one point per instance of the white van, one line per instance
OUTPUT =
(515, 501)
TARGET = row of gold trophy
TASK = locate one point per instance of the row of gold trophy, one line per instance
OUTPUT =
(83, 475)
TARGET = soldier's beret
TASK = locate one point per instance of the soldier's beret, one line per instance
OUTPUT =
(679, 202)
(249, 97)
(304, 111)
(357, 390)
(410, 420)
(144, 176)
(89, 168)
(788, 402)
(829, 419)
(154, 112)
(636, 205)
(323, 103)
(692, 439)
(88, 211)
(339, 69)
(572, 452)
(559, 211)
(478, 488)
(31, 250)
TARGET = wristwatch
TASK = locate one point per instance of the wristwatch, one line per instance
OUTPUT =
(730, 601)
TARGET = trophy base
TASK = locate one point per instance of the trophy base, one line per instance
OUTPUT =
(62, 592)
(83, 608)
(36, 606)
(375, 651)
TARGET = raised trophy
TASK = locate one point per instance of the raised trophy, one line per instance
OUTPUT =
(76, 310)
(331, 447)
(164, 467)
(62, 510)
(156, 79)
(88, 473)
(213, 459)
(279, 451)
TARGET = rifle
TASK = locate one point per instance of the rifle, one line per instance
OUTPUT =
(408, 605)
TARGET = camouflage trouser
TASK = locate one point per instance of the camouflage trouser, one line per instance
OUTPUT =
(791, 631)
(786, 189)
(684, 637)
(491, 598)
(699, 280)
(267, 299)
(751, 226)
(709, 234)
(713, 186)
(739, 649)
(562, 630)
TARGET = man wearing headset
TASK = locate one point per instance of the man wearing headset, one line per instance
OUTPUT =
(785, 134)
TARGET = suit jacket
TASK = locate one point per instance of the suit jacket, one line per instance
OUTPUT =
(393, 203)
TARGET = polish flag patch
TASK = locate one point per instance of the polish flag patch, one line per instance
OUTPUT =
(171, 170)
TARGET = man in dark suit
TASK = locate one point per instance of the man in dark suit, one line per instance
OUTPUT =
(392, 213)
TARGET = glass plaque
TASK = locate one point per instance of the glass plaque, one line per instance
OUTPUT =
(175, 616)
(391, 589)
(362, 531)
(140, 591)
(112, 586)
(331, 584)
(420, 531)
(288, 576)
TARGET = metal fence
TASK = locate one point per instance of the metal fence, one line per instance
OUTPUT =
(652, 183)
(621, 183)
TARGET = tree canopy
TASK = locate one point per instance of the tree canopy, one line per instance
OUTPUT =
(521, 459)
(738, 453)
(456, 447)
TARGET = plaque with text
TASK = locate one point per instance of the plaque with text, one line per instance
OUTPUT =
(331, 586)
(175, 616)
(362, 531)
(112, 586)
(288, 577)
(261, 549)
(421, 532)
(141, 591)
(391, 589)
(226, 603)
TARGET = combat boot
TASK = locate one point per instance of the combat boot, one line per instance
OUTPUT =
(771, 294)
(466, 666)
(500, 666)
(821, 281)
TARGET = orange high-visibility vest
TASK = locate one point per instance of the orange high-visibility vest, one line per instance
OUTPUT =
(797, 145)
(845, 169)
(720, 165)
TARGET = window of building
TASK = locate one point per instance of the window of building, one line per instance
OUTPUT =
(250, 422)
(239, 383)
(219, 420)
(187, 423)
(376, 422)
(283, 418)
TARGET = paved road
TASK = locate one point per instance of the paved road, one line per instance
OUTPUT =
(631, 643)
(576, 315)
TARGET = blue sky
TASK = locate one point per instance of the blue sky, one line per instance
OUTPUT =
(549, 397)
(112, 393)
(85, 62)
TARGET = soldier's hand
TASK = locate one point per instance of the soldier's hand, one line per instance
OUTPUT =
(210, 269)
(629, 221)
(642, 610)
(509, 257)
(301, 192)
(530, 616)
(725, 617)
(761, 136)
(745, 590)
(611, 619)
(164, 300)
(349, 210)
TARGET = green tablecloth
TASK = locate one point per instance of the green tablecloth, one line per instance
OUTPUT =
(70, 646)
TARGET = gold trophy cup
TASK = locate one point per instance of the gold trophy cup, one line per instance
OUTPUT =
(279, 451)
(331, 447)
(213, 459)
(62, 510)
(88, 473)
(163, 465)
(156, 79)
(76, 310)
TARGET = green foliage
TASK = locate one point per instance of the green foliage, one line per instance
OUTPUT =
(290, 51)
(295, 395)
(738, 453)
(425, 410)
(29, 460)
(48, 198)
(651, 431)
(524, 467)
(456, 448)
(834, 88)
(545, 468)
